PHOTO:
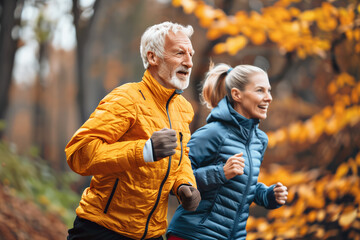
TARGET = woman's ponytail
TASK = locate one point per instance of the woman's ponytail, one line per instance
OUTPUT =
(214, 88)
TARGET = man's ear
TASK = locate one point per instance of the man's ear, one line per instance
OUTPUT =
(152, 58)
(236, 95)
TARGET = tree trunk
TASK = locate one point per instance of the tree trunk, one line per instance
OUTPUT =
(40, 115)
(8, 47)
(82, 32)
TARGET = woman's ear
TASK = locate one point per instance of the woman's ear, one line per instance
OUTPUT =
(236, 95)
(152, 58)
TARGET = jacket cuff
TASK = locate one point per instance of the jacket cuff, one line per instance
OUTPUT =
(148, 151)
(139, 153)
(270, 195)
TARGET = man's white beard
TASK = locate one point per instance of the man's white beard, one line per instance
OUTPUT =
(180, 84)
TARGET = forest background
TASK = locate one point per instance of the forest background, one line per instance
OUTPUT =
(59, 58)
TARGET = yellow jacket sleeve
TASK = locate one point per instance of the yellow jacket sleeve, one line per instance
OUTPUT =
(96, 147)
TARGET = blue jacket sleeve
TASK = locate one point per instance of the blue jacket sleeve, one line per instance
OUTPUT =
(210, 177)
(203, 154)
(264, 196)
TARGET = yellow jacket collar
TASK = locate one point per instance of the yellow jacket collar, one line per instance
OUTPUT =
(159, 91)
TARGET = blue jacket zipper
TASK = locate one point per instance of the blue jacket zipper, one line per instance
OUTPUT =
(247, 185)
(165, 178)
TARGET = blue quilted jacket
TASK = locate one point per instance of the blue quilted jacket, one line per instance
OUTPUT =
(224, 208)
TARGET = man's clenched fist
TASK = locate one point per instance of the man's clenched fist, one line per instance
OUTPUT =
(164, 143)
(190, 197)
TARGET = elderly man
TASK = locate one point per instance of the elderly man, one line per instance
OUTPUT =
(134, 146)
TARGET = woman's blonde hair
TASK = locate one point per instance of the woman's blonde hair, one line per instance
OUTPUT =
(221, 78)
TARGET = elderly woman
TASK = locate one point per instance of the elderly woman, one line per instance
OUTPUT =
(226, 155)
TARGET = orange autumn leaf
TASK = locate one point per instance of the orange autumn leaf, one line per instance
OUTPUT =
(316, 202)
(220, 48)
(176, 3)
(258, 37)
(347, 218)
(321, 214)
(308, 15)
(235, 44)
(342, 170)
(188, 5)
(311, 217)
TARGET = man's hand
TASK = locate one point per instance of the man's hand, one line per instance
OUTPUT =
(164, 143)
(190, 197)
(234, 166)
(281, 193)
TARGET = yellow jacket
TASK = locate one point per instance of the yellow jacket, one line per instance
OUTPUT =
(126, 194)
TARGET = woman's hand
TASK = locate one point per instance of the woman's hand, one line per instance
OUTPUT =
(281, 193)
(234, 166)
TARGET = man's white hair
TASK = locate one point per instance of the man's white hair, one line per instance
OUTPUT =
(153, 39)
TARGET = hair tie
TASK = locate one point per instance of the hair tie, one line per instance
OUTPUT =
(229, 70)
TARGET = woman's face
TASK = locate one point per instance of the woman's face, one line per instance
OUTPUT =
(254, 101)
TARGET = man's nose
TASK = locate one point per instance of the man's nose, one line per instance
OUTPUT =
(188, 61)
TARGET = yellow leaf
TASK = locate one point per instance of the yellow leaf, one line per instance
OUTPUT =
(308, 15)
(294, 11)
(220, 48)
(176, 3)
(342, 170)
(301, 53)
(275, 35)
(294, 131)
(205, 13)
(332, 88)
(321, 214)
(329, 9)
(347, 218)
(327, 24)
(263, 226)
(231, 28)
(354, 96)
(316, 202)
(299, 208)
(357, 48)
(332, 194)
(312, 216)
(357, 34)
(356, 225)
(213, 33)
(358, 159)
(345, 79)
(327, 112)
(189, 6)
(320, 233)
(258, 37)
(234, 44)
(353, 166)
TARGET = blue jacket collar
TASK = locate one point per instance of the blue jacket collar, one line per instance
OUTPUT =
(224, 112)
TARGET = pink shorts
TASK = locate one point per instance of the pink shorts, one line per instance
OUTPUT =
(172, 237)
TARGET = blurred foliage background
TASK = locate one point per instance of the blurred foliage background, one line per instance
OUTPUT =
(59, 58)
